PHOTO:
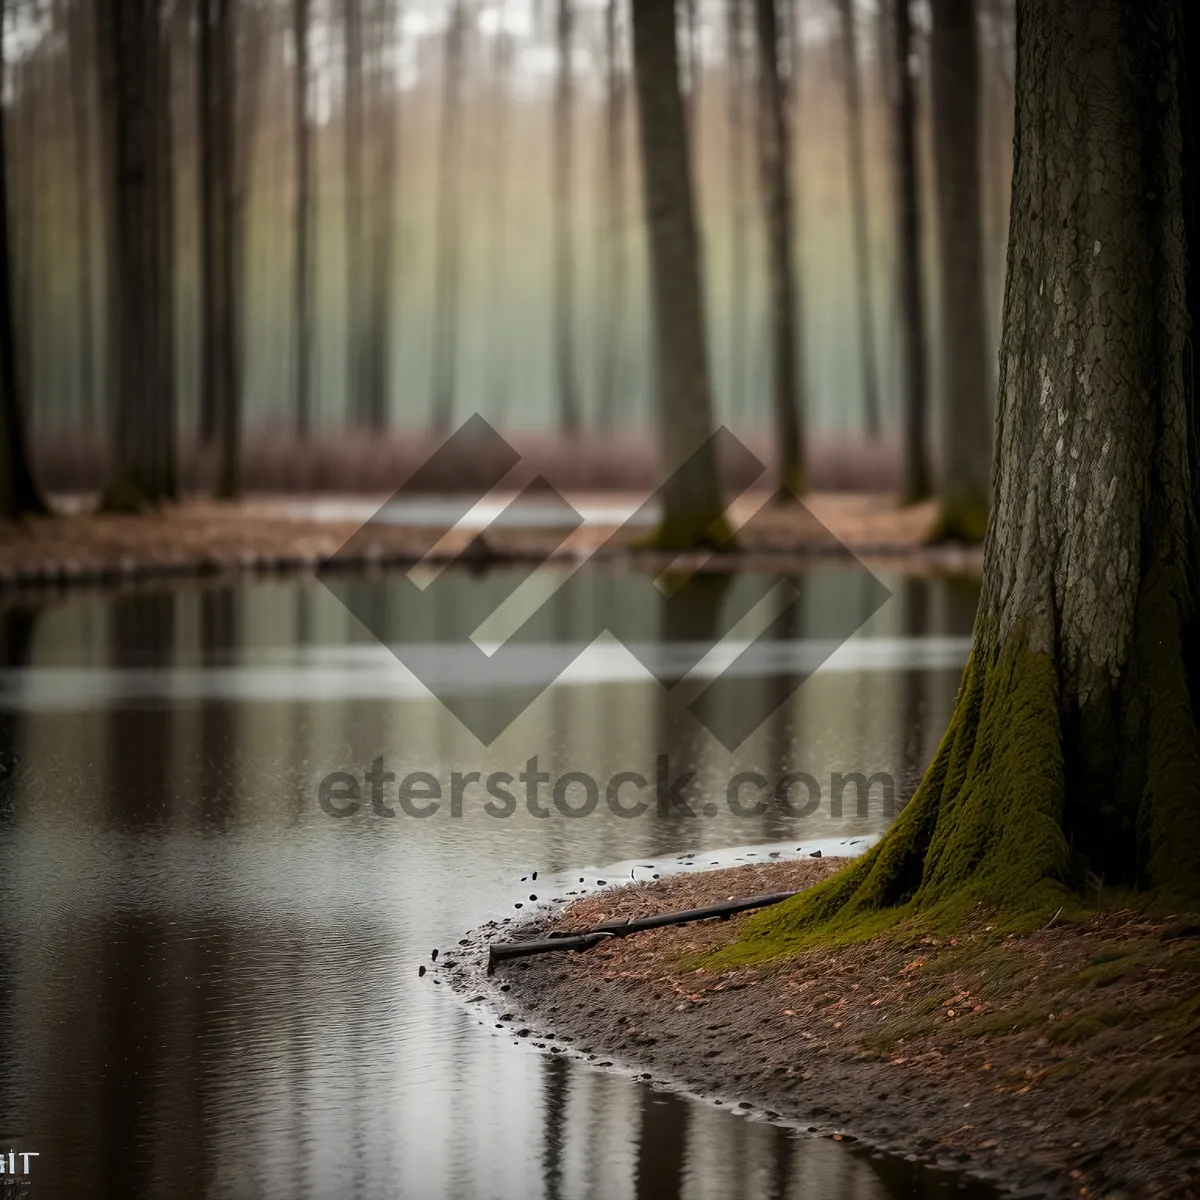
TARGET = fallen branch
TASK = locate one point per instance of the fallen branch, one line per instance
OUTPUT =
(587, 938)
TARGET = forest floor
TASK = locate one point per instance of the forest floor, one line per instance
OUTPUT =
(202, 537)
(1065, 1062)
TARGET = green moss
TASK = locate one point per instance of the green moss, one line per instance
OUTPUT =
(961, 518)
(903, 1029)
(984, 828)
(997, 1024)
(1081, 1026)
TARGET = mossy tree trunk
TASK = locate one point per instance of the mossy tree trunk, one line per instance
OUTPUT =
(18, 492)
(134, 52)
(774, 146)
(963, 484)
(693, 508)
(1072, 759)
(910, 290)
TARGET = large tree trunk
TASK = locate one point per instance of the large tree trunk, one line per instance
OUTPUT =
(498, 328)
(134, 52)
(693, 508)
(774, 142)
(963, 488)
(302, 303)
(910, 292)
(564, 256)
(858, 207)
(1072, 756)
(18, 492)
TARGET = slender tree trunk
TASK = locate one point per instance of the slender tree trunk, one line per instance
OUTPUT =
(858, 207)
(384, 109)
(18, 492)
(910, 292)
(774, 142)
(963, 490)
(1073, 757)
(564, 205)
(133, 50)
(302, 303)
(78, 40)
(691, 17)
(353, 147)
(612, 248)
(693, 508)
(445, 313)
(498, 350)
(736, 101)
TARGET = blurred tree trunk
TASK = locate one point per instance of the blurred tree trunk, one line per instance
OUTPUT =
(858, 206)
(910, 297)
(691, 18)
(79, 70)
(498, 348)
(564, 202)
(19, 494)
(774, 144)
(963, 488)
(133, 49)
(352, 133)
(693, 508)
(612, 240)
(384, 112)
(303, 281)
(445, 312)
(735, 82)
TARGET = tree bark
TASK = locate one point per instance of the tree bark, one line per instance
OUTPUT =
(774, 144)
(564, 199)
(19, 494)
(303, 282)
(1072, 760)
(963, 487)
(910, 292)
(133, 50)
(498, 348)
(693, 508)
(858, 208)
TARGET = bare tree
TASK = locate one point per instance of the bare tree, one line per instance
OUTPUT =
(612, 231)
(352, 133)
(736, 115)
(19, 494)
(564, 204)
(498, 210)
(693, 508)
(303, 280)
(774, 142)
(858, 206)
(445, 314)
(966, 448)
(917, 484)
(133, 47)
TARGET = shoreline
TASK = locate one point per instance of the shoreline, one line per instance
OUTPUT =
(199, 539)
(1025, 1063)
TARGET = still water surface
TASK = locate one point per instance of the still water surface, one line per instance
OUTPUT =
(208, 986)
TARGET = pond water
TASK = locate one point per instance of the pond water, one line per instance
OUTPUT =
(209, 984)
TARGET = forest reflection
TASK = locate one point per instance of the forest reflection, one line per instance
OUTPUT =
(195, 957)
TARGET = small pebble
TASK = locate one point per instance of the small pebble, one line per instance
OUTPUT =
(421, 970)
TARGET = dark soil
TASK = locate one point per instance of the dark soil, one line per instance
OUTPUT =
(1063, 1063)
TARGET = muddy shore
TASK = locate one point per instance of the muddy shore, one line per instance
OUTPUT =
(1063, 1063)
